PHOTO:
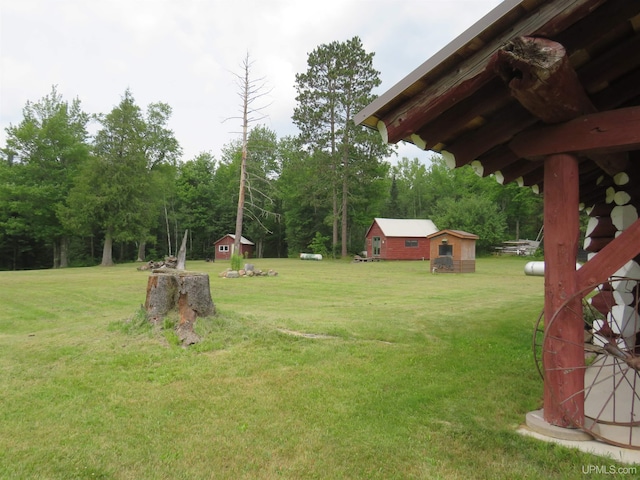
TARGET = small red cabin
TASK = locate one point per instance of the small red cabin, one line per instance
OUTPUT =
(399, 239)
(224, 247)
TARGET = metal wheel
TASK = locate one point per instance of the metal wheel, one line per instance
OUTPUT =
(538, 333)
(538, 341)
(611, 366)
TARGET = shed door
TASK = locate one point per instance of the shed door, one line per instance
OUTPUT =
(375, 246)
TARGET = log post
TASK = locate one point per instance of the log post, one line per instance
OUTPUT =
(187, 293)
(540, 76)
(564, 351)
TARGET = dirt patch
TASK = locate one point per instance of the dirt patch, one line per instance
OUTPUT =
(305, 335)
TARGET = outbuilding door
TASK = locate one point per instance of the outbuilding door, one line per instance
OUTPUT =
(375, 246)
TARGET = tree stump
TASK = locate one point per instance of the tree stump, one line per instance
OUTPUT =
(187, 293)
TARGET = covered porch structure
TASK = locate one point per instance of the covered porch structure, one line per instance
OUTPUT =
(546, 94)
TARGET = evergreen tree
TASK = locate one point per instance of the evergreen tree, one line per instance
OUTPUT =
(115, 191)
(336, 86)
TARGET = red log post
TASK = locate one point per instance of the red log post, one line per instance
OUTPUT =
(564, 337)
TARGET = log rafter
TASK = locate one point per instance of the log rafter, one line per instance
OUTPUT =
(476, 70)
(603, 132)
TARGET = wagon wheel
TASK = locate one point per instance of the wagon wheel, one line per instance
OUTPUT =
(538, 340)
(538, 333)
(612, 360)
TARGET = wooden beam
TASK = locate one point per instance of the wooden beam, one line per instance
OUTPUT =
(501, 129)
(612, 64)
(540, 76)
(565, 19)
(410, 118)
(517, 169)
(444, 91)
(563, 355)
(535, 178)
(586, 33)
(621, 91)
(611, 258)
(595, 133)
(496, 159)
(491, 97)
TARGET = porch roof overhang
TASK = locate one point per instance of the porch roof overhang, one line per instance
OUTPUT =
(463, 102)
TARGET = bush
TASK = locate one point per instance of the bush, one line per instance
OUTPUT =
(236, 261)
(319, 244)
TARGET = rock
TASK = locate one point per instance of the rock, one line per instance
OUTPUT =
(171, 262)
(232, 274)
(249, 267)
(242, 272)
(272, 273)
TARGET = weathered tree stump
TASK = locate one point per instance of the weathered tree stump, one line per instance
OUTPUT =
(187, 293)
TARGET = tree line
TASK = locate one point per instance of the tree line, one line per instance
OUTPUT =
(125, 193)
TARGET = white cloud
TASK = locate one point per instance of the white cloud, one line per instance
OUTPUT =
(184, 52)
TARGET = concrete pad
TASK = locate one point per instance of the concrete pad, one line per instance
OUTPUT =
(536, 422)
(537, 428)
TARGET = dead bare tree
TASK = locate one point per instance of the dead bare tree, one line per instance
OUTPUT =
(250, 91)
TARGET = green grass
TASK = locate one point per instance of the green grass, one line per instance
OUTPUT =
(415, 376)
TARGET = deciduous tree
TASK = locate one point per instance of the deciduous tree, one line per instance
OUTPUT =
(46, 148)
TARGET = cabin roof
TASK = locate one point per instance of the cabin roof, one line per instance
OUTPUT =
(243, 240)
(400, 227)
(455, 233)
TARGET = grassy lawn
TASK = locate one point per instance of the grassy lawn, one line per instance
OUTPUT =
(415, 376)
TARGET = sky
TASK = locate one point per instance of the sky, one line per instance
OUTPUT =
(186, 53)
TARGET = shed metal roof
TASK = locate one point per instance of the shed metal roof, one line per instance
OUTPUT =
(397, 227)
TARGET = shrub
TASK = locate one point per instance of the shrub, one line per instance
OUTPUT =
(236, 261)
(319, 244)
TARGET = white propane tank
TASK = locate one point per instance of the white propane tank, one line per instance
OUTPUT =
(536, 269)
(310, 256)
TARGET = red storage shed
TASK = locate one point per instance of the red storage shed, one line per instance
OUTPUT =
(399, 239)
(224, 247)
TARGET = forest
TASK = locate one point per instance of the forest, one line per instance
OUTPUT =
(125, 193)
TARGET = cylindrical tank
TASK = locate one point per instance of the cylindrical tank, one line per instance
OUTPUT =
(537, 268)
(534, 268)
(310, 256)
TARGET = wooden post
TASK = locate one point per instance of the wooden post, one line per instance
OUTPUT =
(564, 345)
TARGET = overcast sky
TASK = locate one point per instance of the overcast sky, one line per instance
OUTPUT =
(185, 52)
